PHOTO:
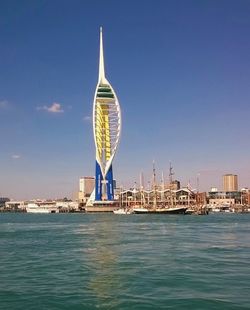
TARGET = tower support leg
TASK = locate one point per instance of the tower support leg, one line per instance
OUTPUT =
(98, 182)
(110, 184)
(104, 189)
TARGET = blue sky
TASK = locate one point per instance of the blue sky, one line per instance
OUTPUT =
(181, 70)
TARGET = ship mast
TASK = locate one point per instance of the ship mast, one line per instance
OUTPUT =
(154, 186)
(171, 173)
(142, 189)
(162, 187)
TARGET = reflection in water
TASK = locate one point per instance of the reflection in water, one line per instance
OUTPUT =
(105, 278)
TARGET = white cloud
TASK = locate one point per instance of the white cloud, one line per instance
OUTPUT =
(15, 156)
(87, 118)
(54, 108)
(3, 104)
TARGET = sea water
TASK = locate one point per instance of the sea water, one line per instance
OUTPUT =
(108, 261)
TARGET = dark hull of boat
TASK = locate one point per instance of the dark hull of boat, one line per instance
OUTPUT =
(162, 211)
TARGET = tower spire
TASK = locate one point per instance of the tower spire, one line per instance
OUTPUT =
(101, 61)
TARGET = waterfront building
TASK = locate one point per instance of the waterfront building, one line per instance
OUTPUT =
(3, 200)
(245, 196)
(214, 189)
(222, 197)
(15, 205)
(107, 129)
(230, 183)
(86, 186)
(174, 185)
(182, 196)
(201, 198)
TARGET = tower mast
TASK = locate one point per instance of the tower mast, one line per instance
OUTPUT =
(101, 78)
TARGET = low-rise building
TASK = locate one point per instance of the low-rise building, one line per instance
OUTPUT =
(15, 205)
(221, 197)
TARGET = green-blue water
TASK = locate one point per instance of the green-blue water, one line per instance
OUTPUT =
(84, 261)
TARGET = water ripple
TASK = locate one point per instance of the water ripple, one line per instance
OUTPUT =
(68, 261)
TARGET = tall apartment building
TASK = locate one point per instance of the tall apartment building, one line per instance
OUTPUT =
(174, 185)
(230, 183)
(86, 186)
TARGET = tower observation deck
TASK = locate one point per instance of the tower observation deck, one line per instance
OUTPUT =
(107, 129)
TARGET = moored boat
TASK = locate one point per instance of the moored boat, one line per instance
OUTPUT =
(34, 208)
(176, 210)
(172, 210)
(41, 208)
(141, 210)
(122, 211)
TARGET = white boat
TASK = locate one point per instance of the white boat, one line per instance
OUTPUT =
(140, 210)
(190, 211)
(122, 211)
(176, 210)
(215, 210)
(43, 208)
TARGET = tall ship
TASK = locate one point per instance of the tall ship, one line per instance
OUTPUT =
(155, 209)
